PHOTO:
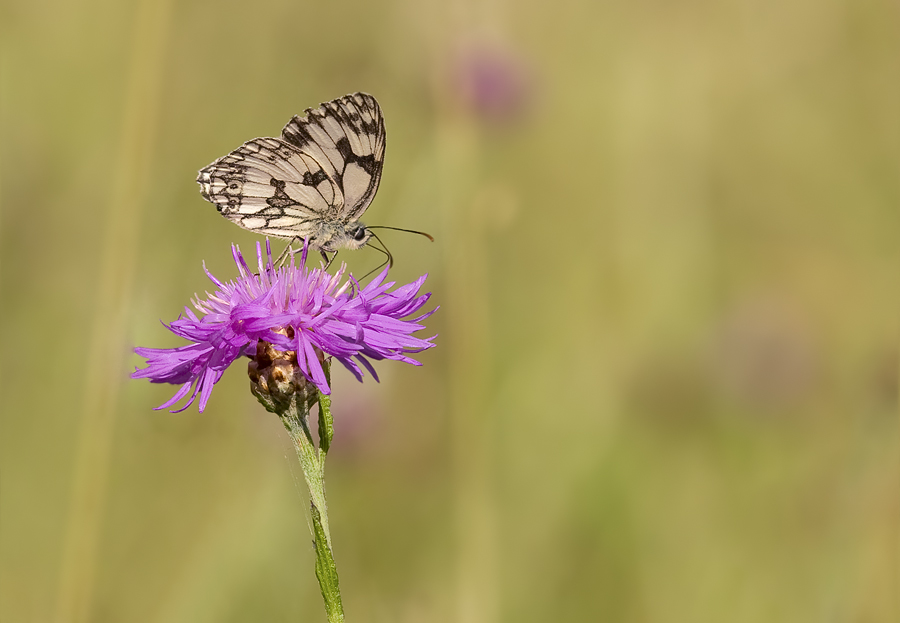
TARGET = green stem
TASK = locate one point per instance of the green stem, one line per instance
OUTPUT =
(296, 419)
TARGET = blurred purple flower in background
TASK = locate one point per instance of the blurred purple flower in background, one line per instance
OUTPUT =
(296, 309)
(492, 81)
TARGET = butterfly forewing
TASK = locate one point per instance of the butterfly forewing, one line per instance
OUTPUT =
(321, 175)
(347, 136)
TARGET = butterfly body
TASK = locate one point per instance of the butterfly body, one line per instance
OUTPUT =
(313, 182)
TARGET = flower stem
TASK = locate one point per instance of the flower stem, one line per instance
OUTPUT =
(295, 417)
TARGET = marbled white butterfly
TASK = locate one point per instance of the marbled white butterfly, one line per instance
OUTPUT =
(314, 182)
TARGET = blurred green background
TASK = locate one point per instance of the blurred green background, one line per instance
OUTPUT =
(665, 386)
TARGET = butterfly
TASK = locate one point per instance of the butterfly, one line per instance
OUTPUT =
(314, 182)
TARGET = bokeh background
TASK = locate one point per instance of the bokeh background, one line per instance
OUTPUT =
(665, 387)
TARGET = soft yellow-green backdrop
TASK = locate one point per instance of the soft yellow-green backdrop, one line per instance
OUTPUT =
(665, 386)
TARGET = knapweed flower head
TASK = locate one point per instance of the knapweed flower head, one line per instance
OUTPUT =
(307, 311)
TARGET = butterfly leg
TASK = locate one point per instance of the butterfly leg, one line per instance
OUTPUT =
(284, 254)
(328, 260)
(288, 252)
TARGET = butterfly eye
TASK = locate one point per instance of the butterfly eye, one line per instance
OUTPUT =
(360, 234)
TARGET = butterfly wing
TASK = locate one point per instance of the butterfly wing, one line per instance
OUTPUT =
(324, 171)
(346, 137)
(270, 187)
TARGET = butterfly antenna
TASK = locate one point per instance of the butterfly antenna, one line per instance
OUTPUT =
(389, 261)
(385, 250)
(409, 231)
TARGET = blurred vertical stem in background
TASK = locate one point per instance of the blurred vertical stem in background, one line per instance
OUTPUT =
(470, 421)
(462, 236)
(107, 351)
(4, 93)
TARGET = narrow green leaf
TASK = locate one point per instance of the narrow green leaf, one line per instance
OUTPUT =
(326, 423)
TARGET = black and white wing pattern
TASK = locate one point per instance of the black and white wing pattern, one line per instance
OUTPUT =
(269, 187)
(347, 137)
(314, 182)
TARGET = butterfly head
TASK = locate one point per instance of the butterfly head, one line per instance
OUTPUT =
(332, 236)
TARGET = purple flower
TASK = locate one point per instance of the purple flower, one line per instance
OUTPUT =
(492, 81)
(305, 310)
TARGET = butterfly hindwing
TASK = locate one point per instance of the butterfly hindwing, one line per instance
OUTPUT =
(347, 136)
(270, 187)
